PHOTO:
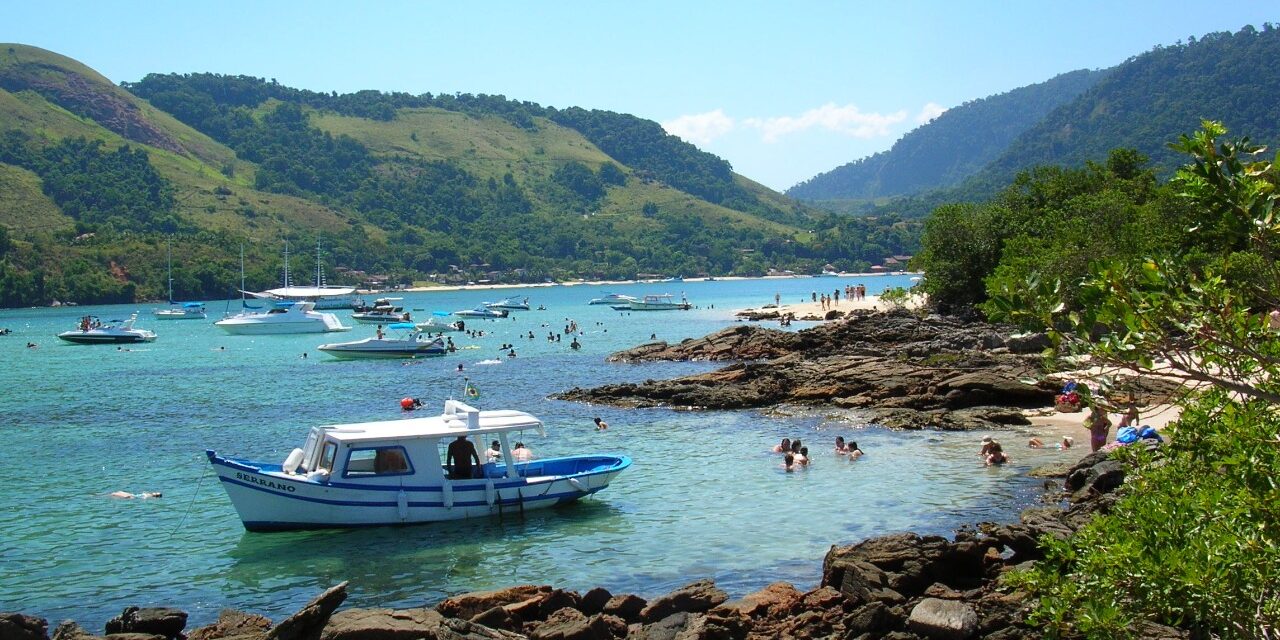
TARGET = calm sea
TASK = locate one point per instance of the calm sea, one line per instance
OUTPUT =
(704, 497)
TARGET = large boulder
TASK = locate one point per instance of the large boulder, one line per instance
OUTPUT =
(571, 624)
(309, 621)
(18, 626)
(626, 606)
(774, 601)
(943, 619)
(162, 621)
(902, 564)
(695, 597)
(407, 624)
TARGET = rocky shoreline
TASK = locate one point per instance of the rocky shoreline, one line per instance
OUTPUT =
(899, 586)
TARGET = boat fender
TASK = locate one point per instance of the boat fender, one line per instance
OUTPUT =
(292, 462)
(319, 475)
(577, 485)
(489, 491)
(402, 505)
(447, 491)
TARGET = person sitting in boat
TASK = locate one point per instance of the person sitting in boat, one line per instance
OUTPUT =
(493, 453)
(458, 459)
(784, 447)
(379, 331)
(521, 453)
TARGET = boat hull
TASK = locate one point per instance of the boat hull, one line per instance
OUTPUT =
(268, 500)
(275, 328)
(89, 337)
(364, 318)
(381, 353)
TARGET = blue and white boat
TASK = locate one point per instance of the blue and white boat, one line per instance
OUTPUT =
(514, 303)
(481, 312)
(613, 298)
(654, 302)
(93, 331)
(408, 342)
(389, 473)
(184, 311)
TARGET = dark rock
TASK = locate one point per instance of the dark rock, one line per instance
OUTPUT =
(232, 623)
(943, 619)
(566, 624)
(557, 600)
(593, 601)
(468, 605)
(308, 622)
(905, 563)
(17, 626)
(627, 607)
(161, 621)
(695, 597)
(676, 625)
(406, 624)
(1104, 477)
(873, 617)
(69, 630)
(498, 618)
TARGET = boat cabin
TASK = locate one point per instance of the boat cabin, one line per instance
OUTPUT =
(410, 451)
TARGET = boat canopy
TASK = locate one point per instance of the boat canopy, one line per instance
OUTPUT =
(406, 326)
(308, 292)
(192, 305)
(458, 419)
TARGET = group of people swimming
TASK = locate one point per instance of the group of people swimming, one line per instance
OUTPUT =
(796, 455)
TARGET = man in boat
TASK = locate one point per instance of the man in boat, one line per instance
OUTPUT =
(461, 453)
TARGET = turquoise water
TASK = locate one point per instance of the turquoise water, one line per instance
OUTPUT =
(704, 497)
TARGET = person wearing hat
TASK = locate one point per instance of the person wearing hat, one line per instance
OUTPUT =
(987, 441)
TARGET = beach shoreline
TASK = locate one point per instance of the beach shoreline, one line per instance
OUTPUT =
(574, 283)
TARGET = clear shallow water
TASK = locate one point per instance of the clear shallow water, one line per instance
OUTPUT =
(704, 497)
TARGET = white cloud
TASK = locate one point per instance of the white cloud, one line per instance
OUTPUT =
(929, 112)
(847, 120)
(700, 128)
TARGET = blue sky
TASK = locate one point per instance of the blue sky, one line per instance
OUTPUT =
(783, 91)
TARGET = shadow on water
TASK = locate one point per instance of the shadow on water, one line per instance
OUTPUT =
(421, 563)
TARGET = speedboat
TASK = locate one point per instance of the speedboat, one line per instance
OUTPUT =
(654, 302)
(284, 317)
(389, 473)
(382, 312)
(613, 298)
(514, 303)
(94, 331)
(481, 312)
(185, 311)
(433, 325)
(409, 343)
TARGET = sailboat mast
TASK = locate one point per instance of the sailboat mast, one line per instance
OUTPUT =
(170, 270)
(286, 265)
(242, 302)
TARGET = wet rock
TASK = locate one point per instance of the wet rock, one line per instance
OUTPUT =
(162, 621)
(308, 622)
(593, 601)
(468, 605)
(626, 606)
(18, 626)
(695, 597)
(232, 623)
(943, 619)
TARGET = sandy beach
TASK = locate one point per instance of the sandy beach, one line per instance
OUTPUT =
(571, 283)
(809, 309)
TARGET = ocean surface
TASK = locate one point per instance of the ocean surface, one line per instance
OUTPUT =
(704, 497)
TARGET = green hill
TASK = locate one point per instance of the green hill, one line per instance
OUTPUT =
(1149, 100)
(98, 178)
(951, 147)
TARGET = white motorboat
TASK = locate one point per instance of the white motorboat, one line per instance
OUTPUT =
(481, 312)
(389, 473)
(383, 311)
(325, 296)
(283, 317)
(176, 311)
(435, 325)
(514, 303)
(184, 311)
(409, 342)
(94, 331)
(613, 298)
(654, 302)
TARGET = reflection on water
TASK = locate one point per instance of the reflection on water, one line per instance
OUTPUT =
(704, 497)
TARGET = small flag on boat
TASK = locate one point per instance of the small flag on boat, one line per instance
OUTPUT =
(471, 391)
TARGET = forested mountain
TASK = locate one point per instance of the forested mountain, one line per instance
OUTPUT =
(951, 147)
(97, 178)
(1146, 102)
